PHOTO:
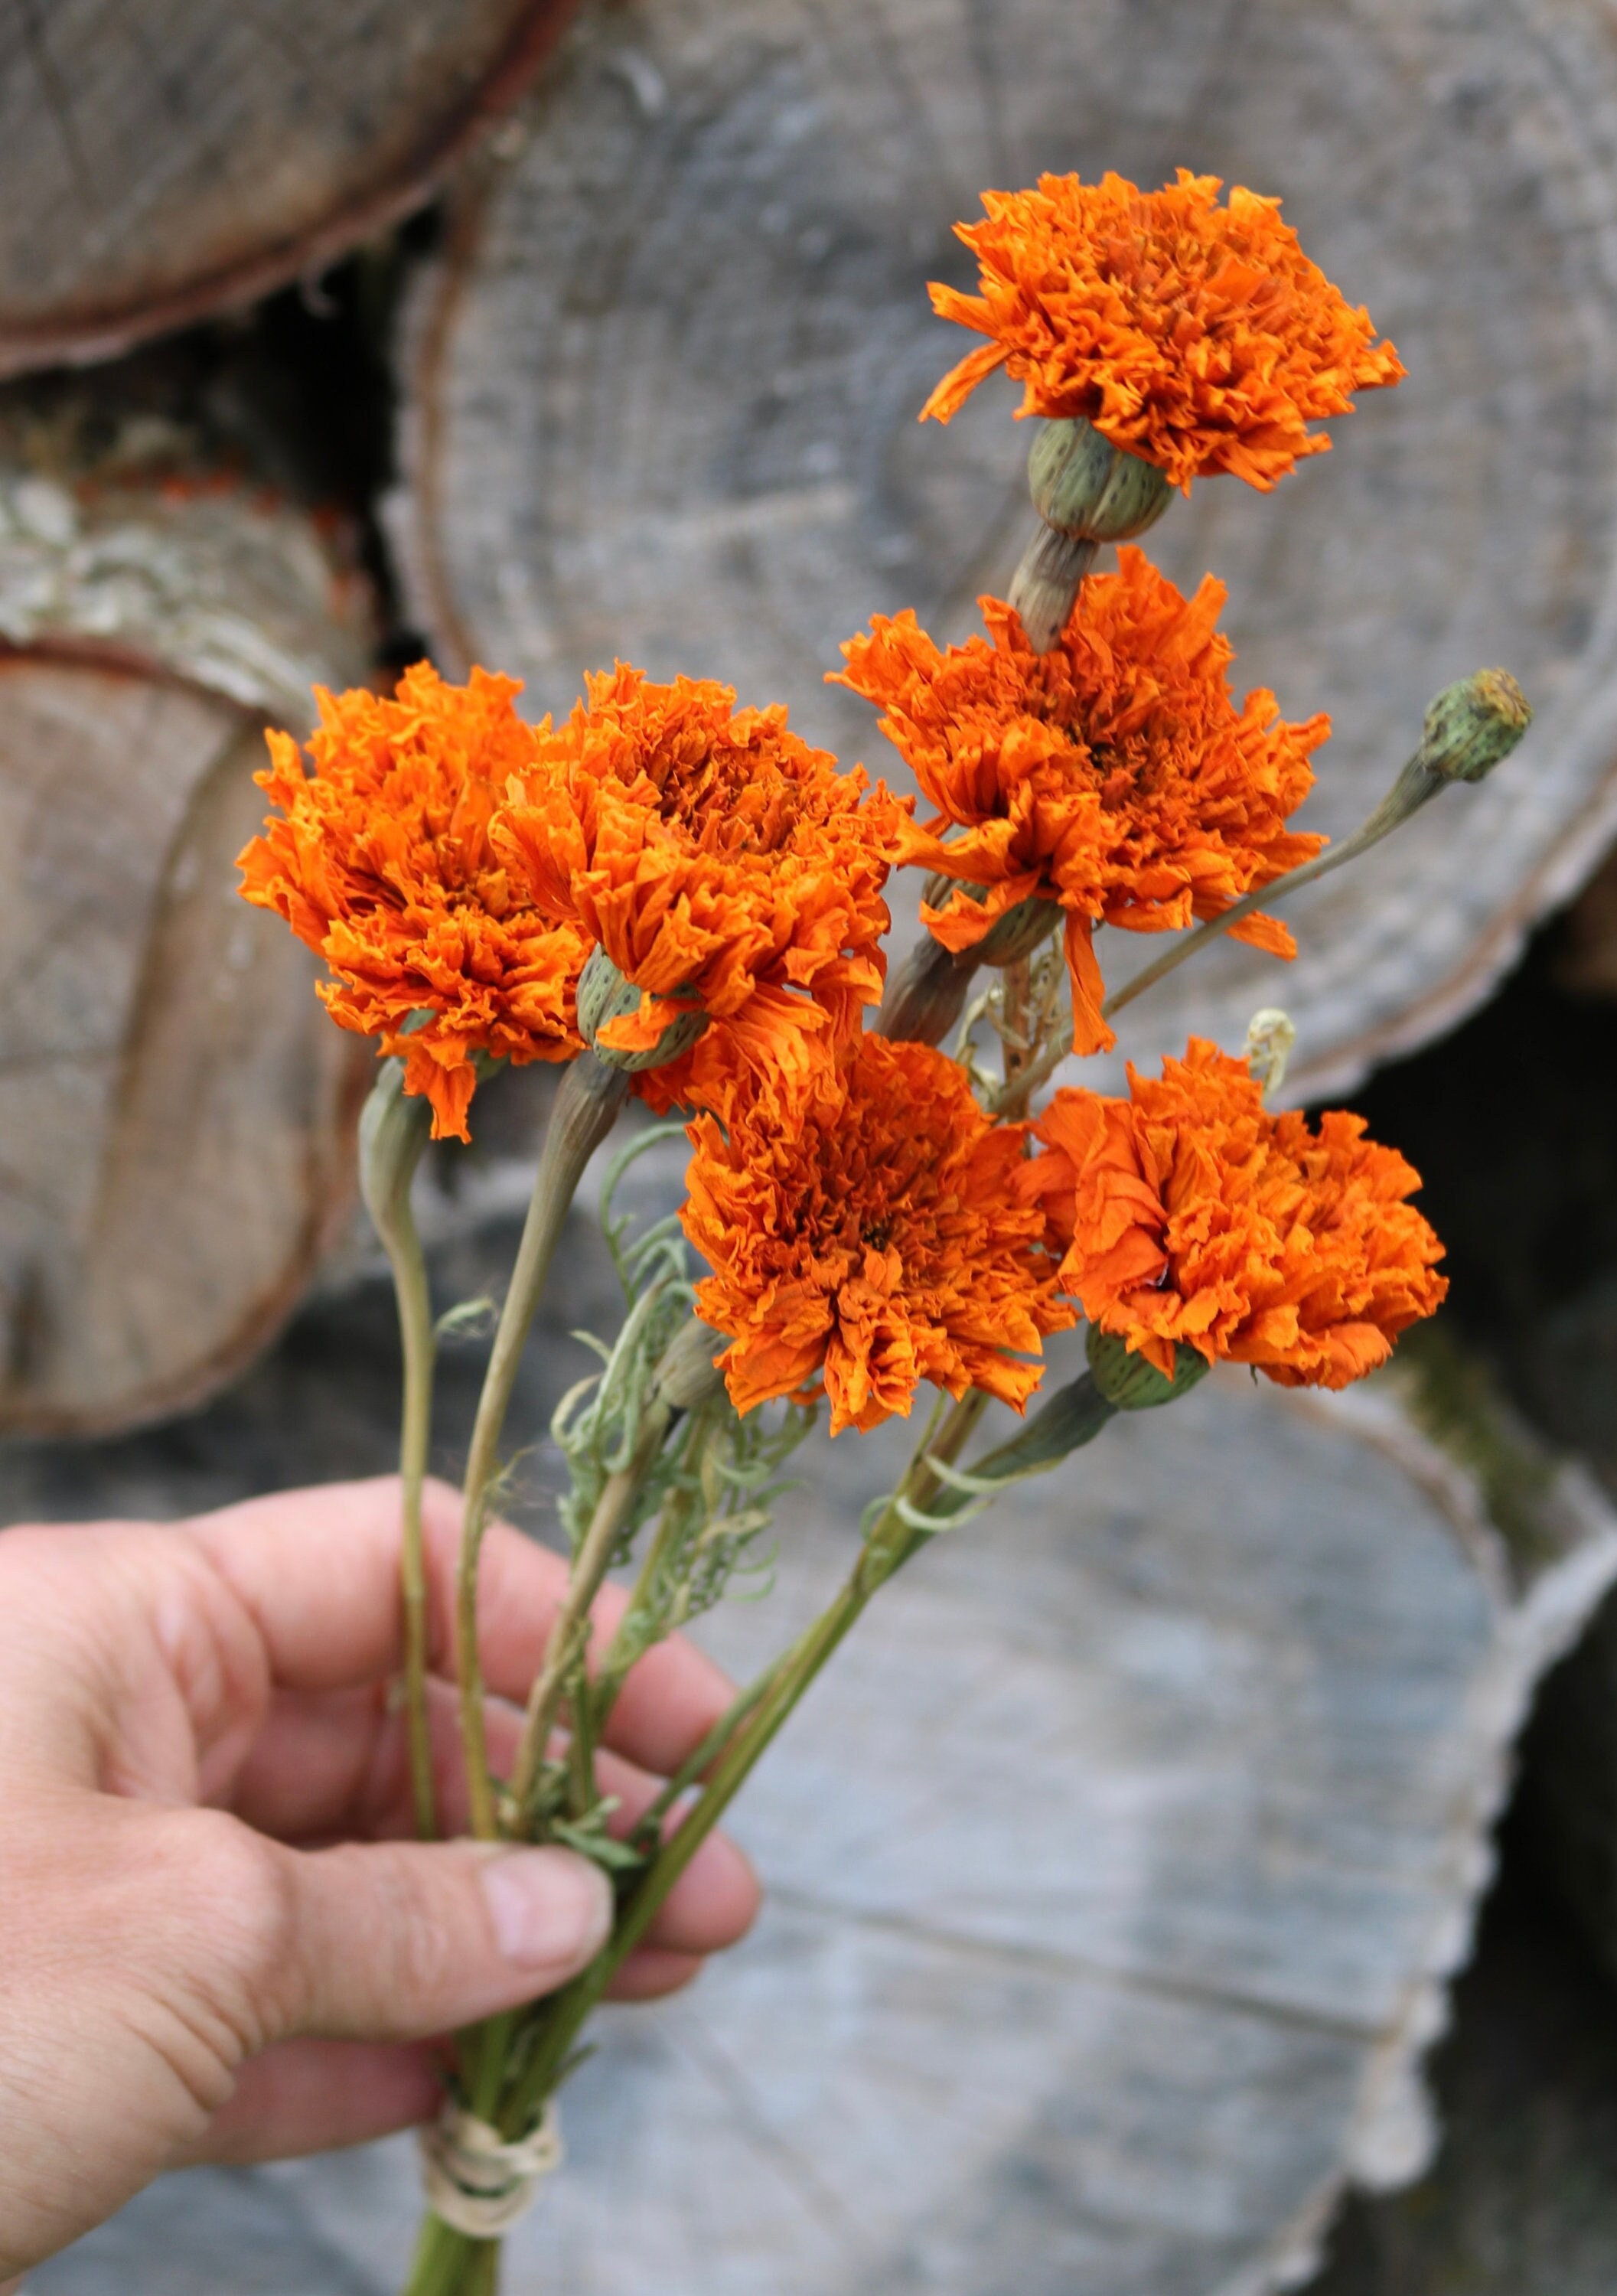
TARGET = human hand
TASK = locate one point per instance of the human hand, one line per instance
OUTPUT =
(218, 1943)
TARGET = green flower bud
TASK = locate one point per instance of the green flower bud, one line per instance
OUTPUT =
(687, 1374)
(604, 996)
(1019, 931)
(1129, 1383)
(1083, 486)
(1473, 724)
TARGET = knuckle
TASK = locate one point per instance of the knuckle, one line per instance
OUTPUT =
(241, 1893)
(418, 1949)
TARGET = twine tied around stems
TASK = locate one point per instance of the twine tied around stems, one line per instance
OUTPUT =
(479, 2183)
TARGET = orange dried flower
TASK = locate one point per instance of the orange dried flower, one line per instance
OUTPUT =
(1198, 337)
(1189, 1214)
(874, 1233)
(1113, 774)
(383, 865)
(718, 859)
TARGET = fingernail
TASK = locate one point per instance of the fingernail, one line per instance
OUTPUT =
(547, 1905)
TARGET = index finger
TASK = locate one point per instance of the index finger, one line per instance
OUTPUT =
(318, 1571)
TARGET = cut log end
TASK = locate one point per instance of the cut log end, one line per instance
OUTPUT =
(662, 382)
(176, 1140)
(165, 163)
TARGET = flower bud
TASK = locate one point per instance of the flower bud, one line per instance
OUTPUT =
(1083, 486)
(1473, 724)
(687, 1374)
(1129, 1382)
(1270, 1036)
(604, 996)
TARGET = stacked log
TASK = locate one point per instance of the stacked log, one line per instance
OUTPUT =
(176, 1137)
(173, 158)
(662, 386)
(1115, 1870)
(1118, 1871)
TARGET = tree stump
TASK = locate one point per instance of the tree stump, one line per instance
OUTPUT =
(172, 158)
(1115, 1870)
(176, 1141)
(662, 387)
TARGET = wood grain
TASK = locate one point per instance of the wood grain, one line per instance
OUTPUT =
(662, 390)
(166, 159)
(1115, 1872)
(175, 1134)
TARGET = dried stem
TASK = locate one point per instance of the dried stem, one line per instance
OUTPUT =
(1415, 785)
(569, 1639)
(890, 1543)
(392, 1135)
(1014, 1094)
(1047, 583)
(586, 1108)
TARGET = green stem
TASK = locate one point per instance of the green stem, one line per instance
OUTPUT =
(650, 1822)
(586, 1108)
(415, 1328)
(888, 1545)
(569, 1639)
(450, 2263)
(1409, 793)
(393, 1132)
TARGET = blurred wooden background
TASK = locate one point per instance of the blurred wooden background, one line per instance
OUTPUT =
(643, 381)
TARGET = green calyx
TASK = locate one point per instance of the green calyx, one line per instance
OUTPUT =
(605, 995)
(1083, 486)
(687, 1374)
(1011, 937)
(393, 1129)
(1019, 931)
(1129, 1383)
(1473, 724)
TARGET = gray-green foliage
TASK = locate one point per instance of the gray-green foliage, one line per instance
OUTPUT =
(712, 1490)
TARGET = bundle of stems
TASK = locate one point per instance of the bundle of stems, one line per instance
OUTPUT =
(653, 1445)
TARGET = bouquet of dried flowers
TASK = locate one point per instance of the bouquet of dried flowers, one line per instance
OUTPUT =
(680, 901)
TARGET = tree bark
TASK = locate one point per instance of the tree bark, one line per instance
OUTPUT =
(176, 1140)
(662, 387)
(174, 157)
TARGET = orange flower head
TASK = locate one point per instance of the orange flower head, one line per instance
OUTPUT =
(721, 862)
(1114, 775)
(383, 863)
(871, 1233)
(1198, 337)
(1189, 1215)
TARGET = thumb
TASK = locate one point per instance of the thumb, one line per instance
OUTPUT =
(398, 1940)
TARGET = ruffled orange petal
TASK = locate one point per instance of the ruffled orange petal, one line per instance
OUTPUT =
(1198, 337)
(382, 863)
(721, 863)
(1114, 775)
(872, 1229)
(1189, 1215)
